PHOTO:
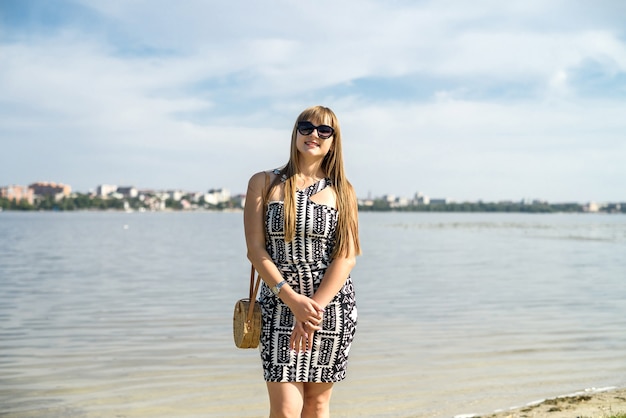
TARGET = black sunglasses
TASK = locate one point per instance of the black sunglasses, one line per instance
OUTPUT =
(323, 131)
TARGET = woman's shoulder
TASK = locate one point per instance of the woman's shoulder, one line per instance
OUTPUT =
(261, 178)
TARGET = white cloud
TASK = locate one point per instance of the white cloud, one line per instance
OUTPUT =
(210, 91)
(459, 148)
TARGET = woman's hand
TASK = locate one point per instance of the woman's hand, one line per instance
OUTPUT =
(302, 336)
(305, 309)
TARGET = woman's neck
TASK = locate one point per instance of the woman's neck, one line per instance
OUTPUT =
(311, 170)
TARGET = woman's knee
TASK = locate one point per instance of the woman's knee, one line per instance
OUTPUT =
(285, 410)
(286, 400)
(317, 400)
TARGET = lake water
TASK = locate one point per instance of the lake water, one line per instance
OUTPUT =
(129, 314)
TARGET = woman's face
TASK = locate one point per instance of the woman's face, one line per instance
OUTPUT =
(310, 144)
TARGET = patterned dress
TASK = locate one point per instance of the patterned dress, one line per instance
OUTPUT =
(303, 263)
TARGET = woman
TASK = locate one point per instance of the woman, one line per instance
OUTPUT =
(302, 236)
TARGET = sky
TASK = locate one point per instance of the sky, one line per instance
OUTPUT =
(485, 100)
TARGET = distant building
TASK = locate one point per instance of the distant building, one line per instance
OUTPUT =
(217, 196)
(239, 200)
(195, 196)
(104, 190)
(421, 199)
(184, 203)
(153, 202)
(591, 207)
(175, 195)
(399, 202)
(58, 190)
(18, 193)
(128, 192)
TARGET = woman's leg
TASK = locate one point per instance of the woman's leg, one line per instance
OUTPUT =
(286, 399)
(317, 400)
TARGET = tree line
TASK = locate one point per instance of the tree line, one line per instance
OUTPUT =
(87, 202)
(80, 201)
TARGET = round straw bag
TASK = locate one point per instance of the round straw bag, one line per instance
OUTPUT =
(247, 315)
(247, 318)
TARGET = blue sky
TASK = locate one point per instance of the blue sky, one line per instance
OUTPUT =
(483, 100)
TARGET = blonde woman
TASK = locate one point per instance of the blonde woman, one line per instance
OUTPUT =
(302, 236)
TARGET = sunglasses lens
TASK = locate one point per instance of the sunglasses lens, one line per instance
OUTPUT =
(324, 131)
(305, 128)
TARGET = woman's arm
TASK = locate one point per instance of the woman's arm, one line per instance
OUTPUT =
(335, 277)
(304, 308)
(254, 228)
(338, 271)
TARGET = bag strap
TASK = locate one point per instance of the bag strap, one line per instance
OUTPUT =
(254, 288)
(254, 285)
(266, 191)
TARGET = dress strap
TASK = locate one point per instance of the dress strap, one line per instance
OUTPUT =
(283, 178)
(317, 187)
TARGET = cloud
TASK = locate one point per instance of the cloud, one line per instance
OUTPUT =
(449, 98)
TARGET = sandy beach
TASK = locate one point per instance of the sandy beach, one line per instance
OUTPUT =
(588, 404)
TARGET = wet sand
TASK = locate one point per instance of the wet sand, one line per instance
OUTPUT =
(589, 404)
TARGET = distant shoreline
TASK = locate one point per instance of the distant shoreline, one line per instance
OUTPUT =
(239, 210)
(136, 204)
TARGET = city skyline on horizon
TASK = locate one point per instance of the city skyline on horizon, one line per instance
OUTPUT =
(412, 195)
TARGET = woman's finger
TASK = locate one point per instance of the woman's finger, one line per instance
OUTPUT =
(310, 332)
(298, 338)
(292, 342)
(309, 341)
(311, 327)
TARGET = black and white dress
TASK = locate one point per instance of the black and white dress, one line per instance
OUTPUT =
(303, 262)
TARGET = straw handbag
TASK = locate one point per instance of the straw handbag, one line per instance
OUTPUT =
(247, 317)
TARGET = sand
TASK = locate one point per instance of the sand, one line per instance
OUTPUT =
(589, 404)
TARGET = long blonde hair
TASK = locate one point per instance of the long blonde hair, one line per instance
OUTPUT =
(332, 165)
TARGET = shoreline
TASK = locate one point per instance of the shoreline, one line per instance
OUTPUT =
(590, 403)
